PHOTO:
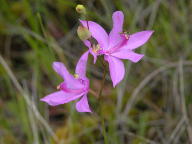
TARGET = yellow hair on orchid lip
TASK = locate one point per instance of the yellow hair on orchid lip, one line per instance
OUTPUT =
(76, 76)
(96, 48)
(58, 87)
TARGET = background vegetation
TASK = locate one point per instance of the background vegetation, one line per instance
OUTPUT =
(153, 104)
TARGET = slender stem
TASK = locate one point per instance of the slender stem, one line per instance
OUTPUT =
(103, 79)
(102, 86)
(93, 93)
(104, 132)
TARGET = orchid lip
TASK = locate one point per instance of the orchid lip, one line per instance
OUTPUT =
(98, 52)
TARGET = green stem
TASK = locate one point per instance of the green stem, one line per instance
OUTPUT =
(104, 132)
(99, 99)
(103, 81)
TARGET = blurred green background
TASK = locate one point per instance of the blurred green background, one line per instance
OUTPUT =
(153, 104)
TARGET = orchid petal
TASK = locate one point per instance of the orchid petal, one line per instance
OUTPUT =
(114, 36)
(68, 78)
(87, 43)
(60, 97)
(61, 70)
(117, 69)
(81, 65)
(94, 55)
(127, 54)
(97, 32)
(138, 39)
(83, 105)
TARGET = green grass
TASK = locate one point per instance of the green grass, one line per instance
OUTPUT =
(151, 105)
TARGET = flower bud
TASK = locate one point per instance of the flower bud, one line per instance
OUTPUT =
(81, 9)
(83, 33)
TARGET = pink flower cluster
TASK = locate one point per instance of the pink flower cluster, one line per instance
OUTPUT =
(114, 46)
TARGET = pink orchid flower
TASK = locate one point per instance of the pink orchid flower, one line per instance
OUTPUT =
(74, 86)
(115, 46)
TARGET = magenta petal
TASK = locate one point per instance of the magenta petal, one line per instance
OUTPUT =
(97, 32)
(117, 69)
(81, 65)
(94, 58)
(127, 54)
(114, 36)
(83, 105)
(60, 97)
(87, 43)
(138, 39)
(61, 70)
(68, 78)
(94, 55)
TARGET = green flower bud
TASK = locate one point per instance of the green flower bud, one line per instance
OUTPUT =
(81, 9)
(83, 33)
